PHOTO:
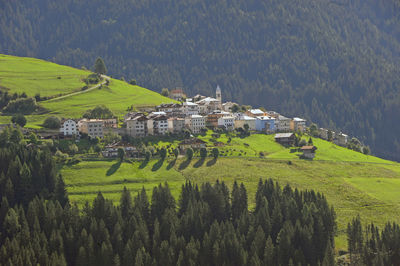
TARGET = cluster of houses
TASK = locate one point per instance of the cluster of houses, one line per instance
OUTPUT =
(194, 114)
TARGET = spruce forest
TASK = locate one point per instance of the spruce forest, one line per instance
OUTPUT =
(334, 62)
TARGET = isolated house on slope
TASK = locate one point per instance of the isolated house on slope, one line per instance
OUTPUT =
(308, 151)
(286, 139)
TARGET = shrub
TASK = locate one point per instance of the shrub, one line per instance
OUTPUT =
(99, 112)
(19, 119)
(52, 122)
(22, 105)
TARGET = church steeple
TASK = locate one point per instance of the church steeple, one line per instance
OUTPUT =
(218, 94)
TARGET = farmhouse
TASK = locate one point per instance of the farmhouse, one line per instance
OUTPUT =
(285, 138)
(308, 151)
(111, 150)
(341, 139)
(177, 94)
(193, 143)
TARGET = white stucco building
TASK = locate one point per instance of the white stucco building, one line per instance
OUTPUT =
(69, 127)
(227, 122)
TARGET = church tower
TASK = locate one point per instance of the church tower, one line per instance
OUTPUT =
(218, 94)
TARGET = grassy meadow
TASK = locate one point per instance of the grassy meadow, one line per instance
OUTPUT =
(32, 76)
(356, 184)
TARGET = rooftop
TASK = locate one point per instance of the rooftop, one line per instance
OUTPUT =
(308, 148)
(256, 111)
(265, 118)
(283, 135)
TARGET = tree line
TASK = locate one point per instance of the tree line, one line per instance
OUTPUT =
(371, 246)
(208, 225)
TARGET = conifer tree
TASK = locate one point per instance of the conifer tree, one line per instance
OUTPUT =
(125, 203)
(60, 192)
(99, 66)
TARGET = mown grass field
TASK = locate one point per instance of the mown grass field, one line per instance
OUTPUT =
(356, 184)
(21, 74)
(30, 75)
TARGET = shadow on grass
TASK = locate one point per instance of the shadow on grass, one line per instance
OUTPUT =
(211, 162)
(171, 164)
(157, 165)
(199, 163)
(143, 164)
(113, 168)
(184, 164)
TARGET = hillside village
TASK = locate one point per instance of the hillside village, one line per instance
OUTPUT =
(196, 115)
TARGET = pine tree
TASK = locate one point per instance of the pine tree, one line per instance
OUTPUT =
(269, 253)
(99, 66)
(60, 192)
(125, 203)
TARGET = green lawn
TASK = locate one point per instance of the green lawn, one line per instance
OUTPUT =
(30, 75)
(118, 96)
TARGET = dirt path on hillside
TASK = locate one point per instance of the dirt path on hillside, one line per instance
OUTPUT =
(80, 92)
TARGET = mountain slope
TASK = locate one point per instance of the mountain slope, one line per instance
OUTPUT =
(334, 62)
(33, 76)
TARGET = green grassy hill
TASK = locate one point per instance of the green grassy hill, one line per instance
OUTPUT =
(353, 182)
(32, 76)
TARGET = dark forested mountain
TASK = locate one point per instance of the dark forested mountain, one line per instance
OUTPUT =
(334, 62)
